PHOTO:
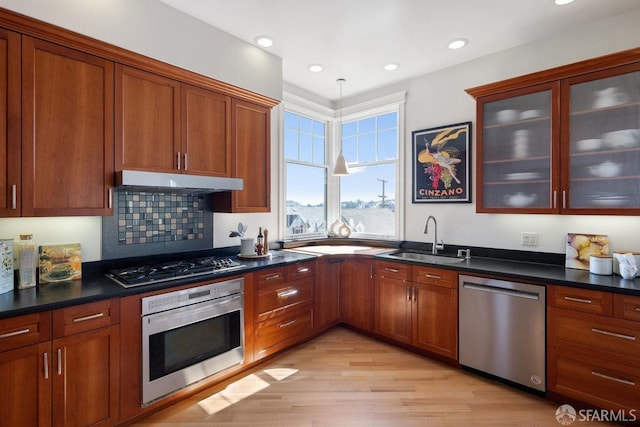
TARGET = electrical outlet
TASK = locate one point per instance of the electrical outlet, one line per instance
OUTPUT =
(529, 239)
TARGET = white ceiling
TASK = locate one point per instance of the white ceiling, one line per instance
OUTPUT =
(354, 39)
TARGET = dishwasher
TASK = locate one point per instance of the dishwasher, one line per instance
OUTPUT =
(502, 330)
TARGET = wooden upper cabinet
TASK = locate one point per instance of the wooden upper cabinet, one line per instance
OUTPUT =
(10, 185)
(565, 140)
(251, 160)
(163, 125)
(147, 121)
(206, 132)
(67, 131)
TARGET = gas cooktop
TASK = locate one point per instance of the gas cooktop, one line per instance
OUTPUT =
(147, 274)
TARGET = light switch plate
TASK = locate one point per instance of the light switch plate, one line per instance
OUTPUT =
(529, 239)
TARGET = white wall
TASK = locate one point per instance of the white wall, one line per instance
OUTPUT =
(439, 99)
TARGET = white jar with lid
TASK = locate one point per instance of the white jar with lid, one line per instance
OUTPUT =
(601, 264)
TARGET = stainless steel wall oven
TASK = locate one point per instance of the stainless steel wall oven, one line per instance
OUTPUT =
(189, 335)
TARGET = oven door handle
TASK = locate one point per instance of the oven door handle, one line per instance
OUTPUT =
(187, 315)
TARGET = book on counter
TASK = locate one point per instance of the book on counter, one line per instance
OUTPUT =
(6, 268)
(59, 263)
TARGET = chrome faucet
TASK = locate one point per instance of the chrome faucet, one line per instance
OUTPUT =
(436, 245)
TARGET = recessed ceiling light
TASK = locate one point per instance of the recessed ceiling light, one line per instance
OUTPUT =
(391, 66)
(264, 41)
(563, 2)
(458, 43)
(315, 68)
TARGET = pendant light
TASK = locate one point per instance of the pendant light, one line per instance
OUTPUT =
(341, 168)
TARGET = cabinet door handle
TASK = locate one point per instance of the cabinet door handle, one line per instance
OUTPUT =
(45, 360)
(613, 334)
(433, 276)
(178, 157)
(564, 199)
(59, 361)
(14, 197)
(637, 308)
(89, 317)
(415, 294)
(555, 199)
(186, 159)
(14, 333)
(392, 270)
(289, 293)
(580, 300)
(408, 293)
(272, 277)
(370, 271)
(110, 197)
(284, 325)
(303, 269)
(608, 377)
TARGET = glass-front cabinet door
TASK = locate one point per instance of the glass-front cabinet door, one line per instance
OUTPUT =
(601, 142)
(517, 157)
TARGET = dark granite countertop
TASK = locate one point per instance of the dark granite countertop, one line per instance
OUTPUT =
(95, 286)
(550, 274)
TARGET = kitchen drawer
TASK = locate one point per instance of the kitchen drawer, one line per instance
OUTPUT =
(435, 276)
(25, 330)
(301, 270)
(594, 333)
(283, 331)
(597, 381)
(85, 317)
(392, 270)
(626, 307)
(586, 300)
(275, 299)
(270, 276)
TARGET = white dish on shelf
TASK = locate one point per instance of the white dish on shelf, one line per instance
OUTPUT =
(589, 144)
(520, 176)
(610, 97)
(606, 169)
(623, 138)
(505, 116)
(530, 114)
(609, 200)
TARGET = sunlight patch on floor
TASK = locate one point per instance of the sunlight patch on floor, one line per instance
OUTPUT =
(235, 392)
(241, 389)
(279, 374)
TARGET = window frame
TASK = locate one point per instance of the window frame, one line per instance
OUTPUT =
(331, 116)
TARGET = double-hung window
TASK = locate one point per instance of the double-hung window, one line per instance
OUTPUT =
(306, 176)
(368, 194)
(367, 200)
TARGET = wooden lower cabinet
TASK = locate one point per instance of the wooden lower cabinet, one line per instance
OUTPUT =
(594, 358)
(356, 293)
(284, 301)
(72, 380)
(418, 306)
(326, 311)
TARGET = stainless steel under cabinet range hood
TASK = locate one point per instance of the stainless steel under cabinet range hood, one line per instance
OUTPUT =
(174, 182)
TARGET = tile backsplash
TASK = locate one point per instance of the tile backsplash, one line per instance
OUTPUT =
(159, 217)
(150, 223)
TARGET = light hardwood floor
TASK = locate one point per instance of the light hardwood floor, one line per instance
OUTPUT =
(343, 378)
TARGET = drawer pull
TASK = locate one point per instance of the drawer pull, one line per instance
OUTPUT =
(392, 270)
(14, 333)
(45, 360)
(432, 276)
(90, 317)
(291, 323)
(608, 377)
(613, 334)
(272, 277)
(289, 293)
(580, 300)
(303, 270)
(637, 308)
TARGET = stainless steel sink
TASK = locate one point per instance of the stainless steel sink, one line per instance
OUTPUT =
(426, 257)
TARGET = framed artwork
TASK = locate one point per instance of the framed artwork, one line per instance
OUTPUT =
(441, 159)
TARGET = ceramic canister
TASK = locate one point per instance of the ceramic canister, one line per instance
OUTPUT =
(601, 264)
